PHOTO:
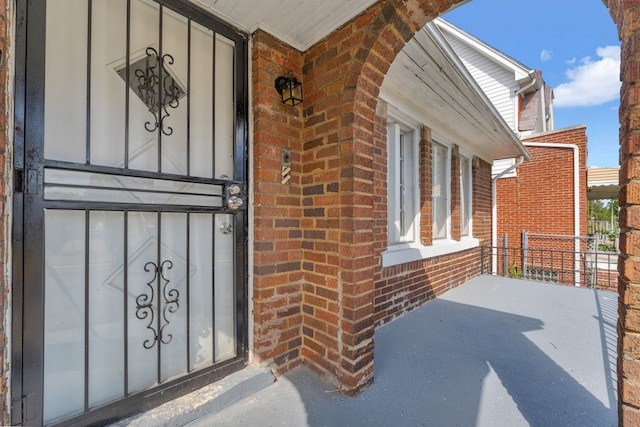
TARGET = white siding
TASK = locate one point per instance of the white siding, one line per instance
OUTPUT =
(500, 166)
(497, 82)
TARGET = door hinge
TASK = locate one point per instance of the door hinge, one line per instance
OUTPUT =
(18, 180)
(20, 409)
(28, 186)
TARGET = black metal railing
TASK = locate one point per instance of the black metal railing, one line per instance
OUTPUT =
(589, 268)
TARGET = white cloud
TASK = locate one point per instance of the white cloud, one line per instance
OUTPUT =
(546, 55)
(571, 61)
(592, 82)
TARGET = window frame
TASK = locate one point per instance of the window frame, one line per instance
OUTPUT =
(466, 199)
(400, 134)
(435, 188)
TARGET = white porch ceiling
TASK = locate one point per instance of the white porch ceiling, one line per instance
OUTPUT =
(300, 23)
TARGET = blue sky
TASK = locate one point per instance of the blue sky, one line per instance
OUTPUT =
(575, 45)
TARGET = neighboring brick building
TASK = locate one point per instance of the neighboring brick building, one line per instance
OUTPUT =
(541, 198)
(547, 200)
(170, 213)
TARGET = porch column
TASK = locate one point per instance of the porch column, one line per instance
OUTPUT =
(277, 273)
(626, 13)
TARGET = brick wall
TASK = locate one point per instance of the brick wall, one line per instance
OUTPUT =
(278, 229)
(482, 203)
(402, 288)
(455, 193)
(426, 181)
(541, 198)
(607, 279)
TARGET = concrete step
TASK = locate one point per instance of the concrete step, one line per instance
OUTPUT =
(205, 401)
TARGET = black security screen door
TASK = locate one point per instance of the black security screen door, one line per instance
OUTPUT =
(130, 226)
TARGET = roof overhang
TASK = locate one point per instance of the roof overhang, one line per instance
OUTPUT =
(429, 82)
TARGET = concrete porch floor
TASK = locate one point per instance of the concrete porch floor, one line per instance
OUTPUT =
(493, 352)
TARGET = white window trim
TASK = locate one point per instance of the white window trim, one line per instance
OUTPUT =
(393, 197)
(470, 195)
(400, 254)
(447, 179)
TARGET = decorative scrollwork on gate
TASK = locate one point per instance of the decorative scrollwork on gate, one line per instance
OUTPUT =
(145, 303)
(157, 88)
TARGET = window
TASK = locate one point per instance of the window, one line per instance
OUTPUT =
(440, 192)
(402, 187)
(404, 202)
(465, 196)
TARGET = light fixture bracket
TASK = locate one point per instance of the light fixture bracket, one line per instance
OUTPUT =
(289, 89)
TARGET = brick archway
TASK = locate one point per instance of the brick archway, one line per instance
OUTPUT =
(349, 66)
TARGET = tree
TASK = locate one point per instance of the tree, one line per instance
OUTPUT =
(614, 209)
(598, 211)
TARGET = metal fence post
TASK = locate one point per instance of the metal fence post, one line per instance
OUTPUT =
(482, 260)
(505, 255)
(525, 247)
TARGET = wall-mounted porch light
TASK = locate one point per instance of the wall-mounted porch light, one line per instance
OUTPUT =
(290, 89)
